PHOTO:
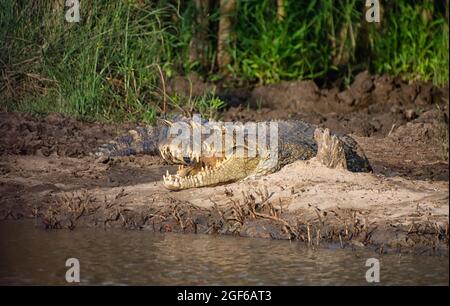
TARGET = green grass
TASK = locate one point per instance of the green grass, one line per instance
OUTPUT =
(319, 37)
(209, 105)
(110, 66)
(105, 67)
(412, 46)
(299, 47)
(270, 51)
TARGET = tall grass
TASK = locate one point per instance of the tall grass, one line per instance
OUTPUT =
(269, 50)
(412, 45)
(112, 64)
(106, 66)
(321, 36)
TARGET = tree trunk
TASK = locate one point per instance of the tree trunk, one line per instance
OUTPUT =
(227, 8)
(364, 41)
(199, 44)
(281, 13)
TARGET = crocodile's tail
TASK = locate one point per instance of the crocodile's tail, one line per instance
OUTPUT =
(142, 140)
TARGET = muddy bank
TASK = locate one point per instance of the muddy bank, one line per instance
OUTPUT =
(305, 202)
(47, 173)
(56, 135)
(371, 106)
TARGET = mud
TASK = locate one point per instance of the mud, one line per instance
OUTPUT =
(47, 173)
(370, 106)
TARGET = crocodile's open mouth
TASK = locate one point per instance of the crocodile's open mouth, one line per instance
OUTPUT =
(196, 173)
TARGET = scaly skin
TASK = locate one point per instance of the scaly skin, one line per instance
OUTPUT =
(212, 166)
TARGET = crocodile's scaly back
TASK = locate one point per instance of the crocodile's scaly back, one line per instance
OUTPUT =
(296, 141)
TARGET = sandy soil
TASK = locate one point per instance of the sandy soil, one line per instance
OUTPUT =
(47, 172)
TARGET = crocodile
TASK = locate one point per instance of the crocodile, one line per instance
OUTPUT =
(208, 162)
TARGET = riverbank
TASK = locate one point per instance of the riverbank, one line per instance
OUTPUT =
(304, 201)
(47, 173)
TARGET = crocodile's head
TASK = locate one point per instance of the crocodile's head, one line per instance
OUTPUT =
(202, 162)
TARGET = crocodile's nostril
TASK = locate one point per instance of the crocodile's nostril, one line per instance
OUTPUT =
(187, 160)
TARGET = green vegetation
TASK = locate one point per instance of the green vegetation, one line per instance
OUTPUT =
(414, 46)
(320, 36)
(113, 64)
(103, 67)
(271, 50)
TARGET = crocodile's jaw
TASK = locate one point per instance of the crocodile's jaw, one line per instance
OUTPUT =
(229, 170)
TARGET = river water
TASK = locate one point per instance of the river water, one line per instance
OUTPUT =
(33, 256)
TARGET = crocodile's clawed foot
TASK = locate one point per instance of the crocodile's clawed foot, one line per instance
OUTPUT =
(252, 177)
(330, 149)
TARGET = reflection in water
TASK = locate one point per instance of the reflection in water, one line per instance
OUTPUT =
(34, 256)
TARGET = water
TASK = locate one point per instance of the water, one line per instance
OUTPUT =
(32, 256)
